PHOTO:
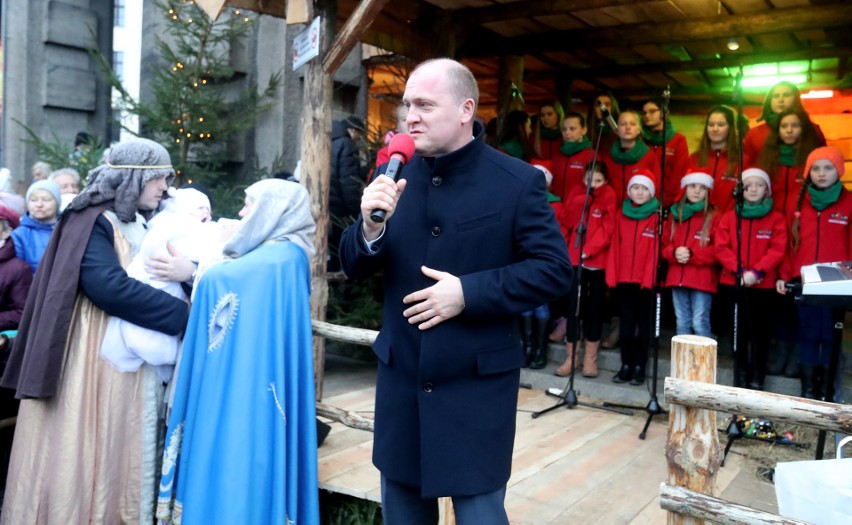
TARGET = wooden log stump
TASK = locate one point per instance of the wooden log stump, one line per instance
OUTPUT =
(692, 451)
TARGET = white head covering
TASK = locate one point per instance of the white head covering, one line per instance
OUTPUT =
(282, 210)
(697, 177)
(760, 174)
(643, 180)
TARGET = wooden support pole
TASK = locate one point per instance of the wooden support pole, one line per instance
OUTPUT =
(316, 171)
(347, 334)
(351, 31)
(350, 419)
(692, 450)
(798, 411)
(511, 73)
(701, 506)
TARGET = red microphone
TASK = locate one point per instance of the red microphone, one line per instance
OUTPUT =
(401, 149)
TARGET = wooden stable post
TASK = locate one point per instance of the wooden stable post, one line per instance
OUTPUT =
(702, 506)
(511, 73)
(692, 451)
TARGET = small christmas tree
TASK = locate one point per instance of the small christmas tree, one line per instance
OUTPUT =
(197, 106)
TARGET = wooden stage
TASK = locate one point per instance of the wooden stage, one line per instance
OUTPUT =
(570, 466)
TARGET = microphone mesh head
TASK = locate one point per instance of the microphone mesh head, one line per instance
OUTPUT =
(402, 144)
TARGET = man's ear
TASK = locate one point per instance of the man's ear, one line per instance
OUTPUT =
(468, 110)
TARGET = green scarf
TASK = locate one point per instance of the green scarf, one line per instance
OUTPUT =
(787, 154)
(656, 139)
(756, 210)
(822, 199)
(552, 198)
(631, 156)
(549, 134)
(513, 147)
(571, 148)
(639, 212)
(772, 120)
(689, 209)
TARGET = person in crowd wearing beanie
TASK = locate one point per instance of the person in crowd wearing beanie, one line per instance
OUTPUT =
(31, 237)
(8, 195)
(629, 155)
(571, 158)
(688, 247)
(632, 270)
(546, 136)
(788, 145)
(782, 96)
(718, 155)
(598, 226)
(674, 144)
(85, 448)
(819, 233)
(764, 242)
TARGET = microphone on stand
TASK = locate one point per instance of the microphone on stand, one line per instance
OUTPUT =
(607, 117)
(401, 149)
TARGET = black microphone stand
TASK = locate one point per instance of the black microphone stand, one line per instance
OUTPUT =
(568, 396)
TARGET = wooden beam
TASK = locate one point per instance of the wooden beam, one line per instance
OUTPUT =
(349, 34)
(277, 8)
(514, 10)
(714, 510)
(708, 28)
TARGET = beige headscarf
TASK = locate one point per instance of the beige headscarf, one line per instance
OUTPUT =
(282, 210)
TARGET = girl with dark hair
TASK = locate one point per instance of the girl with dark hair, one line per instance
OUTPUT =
(676, 148)
(599, 226)
(570, 160)
(782, 96)
(688, 247)
(819, 233)
(628, 155)
(547, 135)
(514, 139)
(595, 120)
(789, 143)
(718, 155)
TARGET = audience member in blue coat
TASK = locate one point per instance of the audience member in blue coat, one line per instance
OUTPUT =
(33, 234)
(469, 243)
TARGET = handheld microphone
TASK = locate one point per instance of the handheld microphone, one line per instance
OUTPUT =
(401, 149)
(607, 117)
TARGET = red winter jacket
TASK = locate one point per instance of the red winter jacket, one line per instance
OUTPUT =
(549, 148)
(568, 171)
(722, 195)
(700, 272)
(677, 156)
(823, 236)
(787, 183)
(619, 174)
(632, 254)
(756, 138)
(600, 224)
(764, 246)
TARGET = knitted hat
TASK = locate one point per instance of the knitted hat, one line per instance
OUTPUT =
(10, 216)
(697, 177)
(759, 173)
(643, 178)
(544, 166)
(48, 185)
(826, 153)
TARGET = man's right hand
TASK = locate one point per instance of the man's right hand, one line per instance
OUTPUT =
(382, 194)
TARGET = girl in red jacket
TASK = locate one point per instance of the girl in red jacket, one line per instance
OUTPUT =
(570, 160)
(784, 153)
(764, 241)
(820, 233)
(677, 151)
(599, 225)
(688, 246)
(547, 135)
(632, 270)
(628, 155)
(719, 144)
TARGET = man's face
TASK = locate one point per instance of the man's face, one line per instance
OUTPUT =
(152, 194)
(67, 183)
(437, 122)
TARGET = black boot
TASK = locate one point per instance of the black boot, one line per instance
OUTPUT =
(539, 356)
(638, 375)
(757, 380)
(791, 368)
(624, 375)
(741, 377)
(777, 359)
(527, 338)
(806, 374)
(819, 383)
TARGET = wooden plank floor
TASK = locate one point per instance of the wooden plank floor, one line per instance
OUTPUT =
(570, 466)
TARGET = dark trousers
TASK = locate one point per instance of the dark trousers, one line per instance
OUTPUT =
(402, 505)
(816, 334)
(636, 309)
(755, 319)
(591, 304)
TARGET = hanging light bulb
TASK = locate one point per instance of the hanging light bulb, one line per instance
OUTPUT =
(733, 45)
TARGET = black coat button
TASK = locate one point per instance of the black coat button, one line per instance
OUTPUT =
(436, 231)
(427, 387)
(437, 180)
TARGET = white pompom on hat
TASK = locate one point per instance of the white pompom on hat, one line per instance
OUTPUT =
(697, 177)
(643, 180)
(759, 173)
